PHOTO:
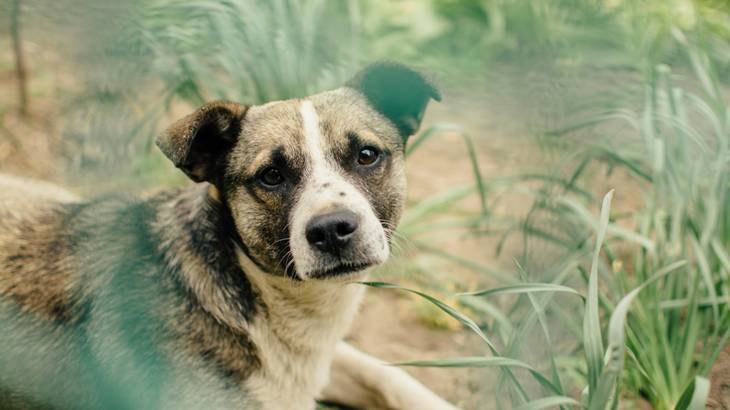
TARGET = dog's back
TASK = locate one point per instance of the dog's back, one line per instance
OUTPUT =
(46, 287)
(32, 218)
(20, 189)
(33, 286)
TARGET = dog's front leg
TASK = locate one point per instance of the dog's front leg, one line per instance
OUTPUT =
(361, 381)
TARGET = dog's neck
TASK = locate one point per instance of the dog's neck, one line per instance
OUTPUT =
(304, 314)
(297, 333)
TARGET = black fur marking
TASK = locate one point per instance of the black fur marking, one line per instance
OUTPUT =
(250, 186)
(232, 376)
(212, 235)
(354, 142)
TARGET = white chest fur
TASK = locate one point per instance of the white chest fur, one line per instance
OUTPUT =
(296, 336)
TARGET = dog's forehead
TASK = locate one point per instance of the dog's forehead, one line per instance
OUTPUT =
(346, 110)
(279, 125)
(273, 122)
(276, 126)
(340, 106)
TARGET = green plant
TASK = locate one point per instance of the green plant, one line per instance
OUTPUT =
(167, 56)
(250, 50)
(667, 258)
(512, 328)
(676, 150)
(604, 366)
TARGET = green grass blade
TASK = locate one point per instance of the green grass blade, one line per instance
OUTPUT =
(707, 277)
(549, 402)
(466, 321)
(481, 187)
(467, 362)
(539, 309)
(523, 288)
(608, 382)
(468, 143)
(613, 229)
(432, 205)
(429, 133)
(592, 338)
(695, 395)
(467, 263)
(704, 302)
(478, 361)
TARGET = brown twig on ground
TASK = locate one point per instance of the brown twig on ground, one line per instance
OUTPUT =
(19, 58)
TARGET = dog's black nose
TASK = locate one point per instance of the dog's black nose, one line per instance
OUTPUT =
(331, 232)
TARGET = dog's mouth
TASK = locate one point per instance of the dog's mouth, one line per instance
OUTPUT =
(341, 269)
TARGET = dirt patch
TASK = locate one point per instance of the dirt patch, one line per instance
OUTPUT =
(720, 379)
(389, 328)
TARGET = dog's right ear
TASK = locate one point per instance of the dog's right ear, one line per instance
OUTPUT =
(399, 92)
(198, 142)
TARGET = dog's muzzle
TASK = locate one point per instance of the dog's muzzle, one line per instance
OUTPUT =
(332, 233)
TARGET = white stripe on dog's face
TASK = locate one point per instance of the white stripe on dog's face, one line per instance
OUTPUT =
(326, 189)
(312, 136)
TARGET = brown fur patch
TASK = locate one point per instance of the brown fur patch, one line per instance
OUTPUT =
(35, 269)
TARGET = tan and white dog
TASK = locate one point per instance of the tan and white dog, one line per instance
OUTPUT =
(232, 293)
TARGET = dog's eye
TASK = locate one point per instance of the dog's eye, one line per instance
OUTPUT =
(271, 177)
(368, 156)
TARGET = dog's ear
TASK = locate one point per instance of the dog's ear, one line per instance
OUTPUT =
(398, 92)
(198, 142)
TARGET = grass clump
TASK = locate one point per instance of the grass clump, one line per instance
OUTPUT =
(676, 148)
(604, 366)
(654, 289)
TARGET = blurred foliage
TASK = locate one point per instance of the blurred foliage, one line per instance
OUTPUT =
(247, 50)
(136, 61)
(675, 150)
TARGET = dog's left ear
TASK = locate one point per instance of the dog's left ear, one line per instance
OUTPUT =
(197, 143)
(398, 92)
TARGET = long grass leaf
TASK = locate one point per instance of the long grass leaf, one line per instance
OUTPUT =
(477, 361)
(466, 321)
(549, 402)
(695, 395)
(592, 338)
(523, 288)
(429, 133)
(608, 383)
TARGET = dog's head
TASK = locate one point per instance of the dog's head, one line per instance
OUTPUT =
(315, 186)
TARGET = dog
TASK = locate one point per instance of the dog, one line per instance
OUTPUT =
(234, 292)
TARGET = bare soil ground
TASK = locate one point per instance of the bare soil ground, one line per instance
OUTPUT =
(720, 379)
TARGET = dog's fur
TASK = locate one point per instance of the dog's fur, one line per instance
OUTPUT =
(212, 296)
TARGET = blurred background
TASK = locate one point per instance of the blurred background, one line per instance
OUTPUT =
(548, 105)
